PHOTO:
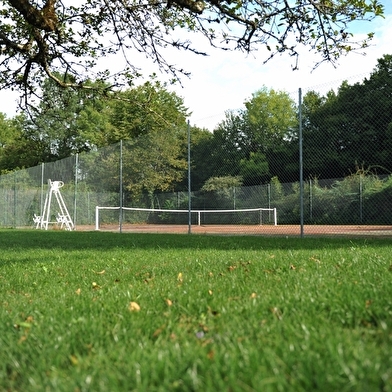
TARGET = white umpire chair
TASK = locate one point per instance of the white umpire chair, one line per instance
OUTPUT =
(63, 218)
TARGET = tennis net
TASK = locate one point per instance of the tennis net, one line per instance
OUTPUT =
(155, 216)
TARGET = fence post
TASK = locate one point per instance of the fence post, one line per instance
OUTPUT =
(360, 198)
(301, 180)
(42, 188)
(121, 186)
(14, 209)
(310, 200)
(189, 182)
(75, 188)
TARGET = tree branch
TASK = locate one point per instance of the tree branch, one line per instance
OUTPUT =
(44, 19)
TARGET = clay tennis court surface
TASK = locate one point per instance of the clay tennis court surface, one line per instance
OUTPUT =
(267, 230)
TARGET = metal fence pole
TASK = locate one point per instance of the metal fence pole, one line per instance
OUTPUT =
(42, 188)
(360, 198)
(301, 180)
(310, 200)
(121, 186)
(14, 209)
(76, 186)
(189, 182)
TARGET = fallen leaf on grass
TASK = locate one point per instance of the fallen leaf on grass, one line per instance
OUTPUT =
(78, 291)
(179, 277)
(158, 331)
(169, 302)
(210, 292)
(73, 360)
(133, 307)
(100, 272)
(211, 354)
(95, 286)
(277, 313)
(27, 324)
(22, 339)
(253, 295)
(292, 267)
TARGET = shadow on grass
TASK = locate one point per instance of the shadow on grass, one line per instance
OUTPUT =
(65, 240)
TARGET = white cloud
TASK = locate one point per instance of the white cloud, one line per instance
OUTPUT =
(8, 103)
(225, 80)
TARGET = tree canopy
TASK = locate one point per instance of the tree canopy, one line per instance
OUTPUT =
(351, 127)
(48, 38)
(245, 139)
(67, 122)
(344, 131)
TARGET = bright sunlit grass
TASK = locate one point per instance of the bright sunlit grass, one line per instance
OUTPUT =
(108, 312)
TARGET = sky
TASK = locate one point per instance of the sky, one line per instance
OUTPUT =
(224, 80)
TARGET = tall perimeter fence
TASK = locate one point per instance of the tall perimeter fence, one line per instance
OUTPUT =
(349, 133)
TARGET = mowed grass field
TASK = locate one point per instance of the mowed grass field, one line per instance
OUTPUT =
(93, 311)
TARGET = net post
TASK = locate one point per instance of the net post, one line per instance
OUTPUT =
(275, 217)
(198, 218)
(96, 218)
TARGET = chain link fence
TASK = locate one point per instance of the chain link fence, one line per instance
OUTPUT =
(330, 168)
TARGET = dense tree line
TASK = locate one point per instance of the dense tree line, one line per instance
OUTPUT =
(352, 127)
(342, 131)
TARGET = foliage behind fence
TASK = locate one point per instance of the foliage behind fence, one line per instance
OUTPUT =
(356, 199)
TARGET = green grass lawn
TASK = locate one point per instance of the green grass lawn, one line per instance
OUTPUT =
(92, 311)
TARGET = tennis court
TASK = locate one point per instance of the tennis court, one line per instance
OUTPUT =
(267, 230)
